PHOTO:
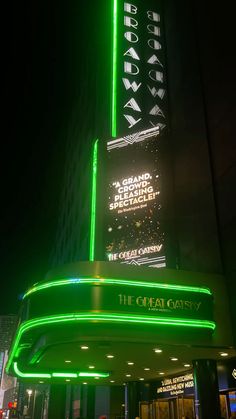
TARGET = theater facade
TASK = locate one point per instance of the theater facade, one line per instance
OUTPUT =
(134, 318)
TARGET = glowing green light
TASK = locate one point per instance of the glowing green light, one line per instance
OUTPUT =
(64, 374)
(93, 202)
(93, 374)
(28, 375)
(22, 374)
(114, 69)
(105, 317)
(112, 281)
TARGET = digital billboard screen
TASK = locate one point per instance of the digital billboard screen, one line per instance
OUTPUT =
(133, 210)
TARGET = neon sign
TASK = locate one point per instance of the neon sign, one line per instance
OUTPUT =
(138, 80)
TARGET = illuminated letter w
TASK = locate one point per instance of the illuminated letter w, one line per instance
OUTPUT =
(134, 86)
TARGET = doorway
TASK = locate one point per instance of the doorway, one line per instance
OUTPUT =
(175, 408)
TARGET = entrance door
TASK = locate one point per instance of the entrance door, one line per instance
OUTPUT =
(161, 409)
(144, 410)
(173, 409)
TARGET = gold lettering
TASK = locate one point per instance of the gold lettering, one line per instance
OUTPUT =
(198, 306)
(123, 299)
(170, 303)
(159, 303)
(139, 301)
(130, 300)
(179, 304)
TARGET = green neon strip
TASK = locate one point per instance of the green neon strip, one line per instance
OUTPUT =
(111, 281)
(93, 202)
(57, 374)
(64, 374)
(114, 70)
(93, 374)
(28, 375)
(112, 317)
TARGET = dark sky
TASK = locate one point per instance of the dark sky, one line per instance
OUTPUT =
(32, 145)
(35, 110)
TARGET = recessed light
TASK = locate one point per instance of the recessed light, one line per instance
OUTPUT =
(41, 382)
(158, 351)
(112, 381)
(67, 361)
(130, 363)
(96, 378)
(67, 380)
(174, 359)
(146, 369)
(224, 354)
(85, 383)
(141, 379)
(110, 356)
(84, 347)
(128, 375)
(161, 373)
(187, 365)
(91, 367)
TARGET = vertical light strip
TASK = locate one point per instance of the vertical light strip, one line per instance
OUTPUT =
(114, 71)
(93, 202)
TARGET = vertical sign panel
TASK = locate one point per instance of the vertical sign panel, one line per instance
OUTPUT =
(133, 212)
(138, 77)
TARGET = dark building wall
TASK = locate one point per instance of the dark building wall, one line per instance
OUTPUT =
(216, 35)
(195, 217)
(88, 83)
(202, 113)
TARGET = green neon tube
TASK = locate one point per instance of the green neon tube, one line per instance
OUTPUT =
(22, 374)
(93, 202)
(64, 374)
(111, 281)
(93, 374)
(28, 375)
(110, 318)
(114, 71)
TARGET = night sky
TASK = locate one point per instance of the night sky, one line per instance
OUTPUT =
(35, 111)
(32, 146)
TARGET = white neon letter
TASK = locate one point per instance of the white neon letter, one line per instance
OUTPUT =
(154, 60)
(156, 111)
(131, 37)
(132, 53)
(154, 92)
(156, 75)
(155, 17)
(133, 105)
(130, 22)
(154, 30)
(131, 120)
(154, 44)
(130, 8)
(131, 68)
(134, 86)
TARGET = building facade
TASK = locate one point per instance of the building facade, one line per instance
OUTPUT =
(143, 260)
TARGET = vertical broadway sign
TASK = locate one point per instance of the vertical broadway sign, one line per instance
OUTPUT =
(138, 80)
